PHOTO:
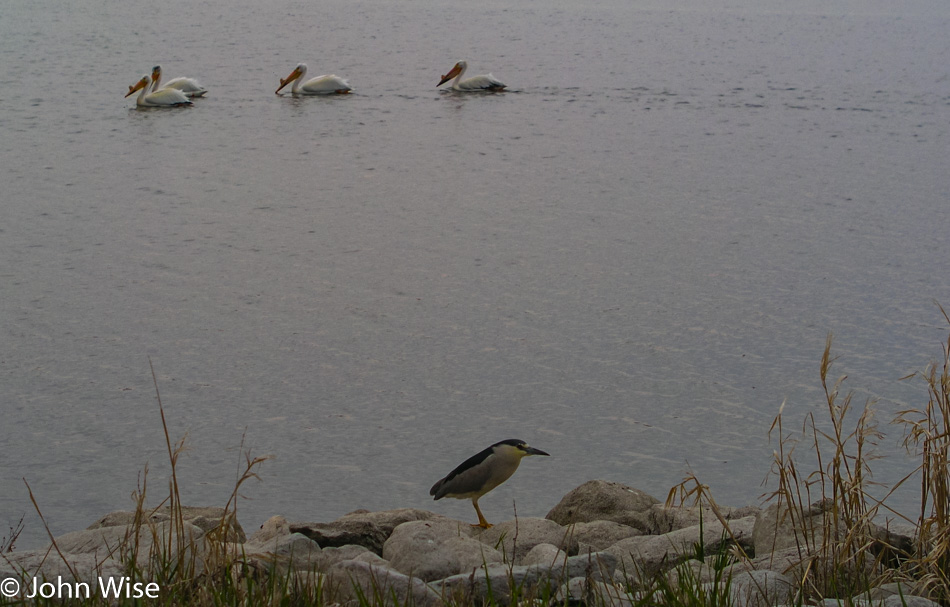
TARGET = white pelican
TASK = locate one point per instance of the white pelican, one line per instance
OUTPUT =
(160, 98)
(485, 82)
(189, 86)
(321, 85)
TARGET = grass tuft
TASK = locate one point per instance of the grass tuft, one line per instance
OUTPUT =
(830, 509)
(927, 436)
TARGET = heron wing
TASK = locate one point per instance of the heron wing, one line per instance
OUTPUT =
(464, 479)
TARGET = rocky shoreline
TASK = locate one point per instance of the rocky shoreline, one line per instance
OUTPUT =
(602, 540)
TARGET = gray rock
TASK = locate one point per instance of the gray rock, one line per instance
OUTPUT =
(436, 549)
(694, 572)
(548, 555)
(906, 588)
(274, 527)
(761, 589)
(49, 565)
(778, 527)
(493, 582)
(602, 534)
(788, 560)
(356, 580)
(388, 520)
(329, 557)
(206, 518)
(138, 543)
(601, 500)
(361, 527)
(651, 554)
(293, 551)
(123, 518)
(306, 583)
(893, 544)
(664, 520)
(890, 601)
(372, 558)
(591, 592)
(909, 601)
(340, 533)
(599, 566)
(516, 538)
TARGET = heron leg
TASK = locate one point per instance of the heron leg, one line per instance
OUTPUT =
(481, 517)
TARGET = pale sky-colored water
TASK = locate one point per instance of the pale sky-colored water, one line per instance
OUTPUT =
(630, 259)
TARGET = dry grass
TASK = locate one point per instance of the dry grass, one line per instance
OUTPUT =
(831, 508)
(927, 436)
(830, 503)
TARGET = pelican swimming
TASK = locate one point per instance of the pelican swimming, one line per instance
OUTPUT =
(161, 98)
(485, 82)
(321, 85)
(189, 86)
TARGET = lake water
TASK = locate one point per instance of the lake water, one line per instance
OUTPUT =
(630, 259)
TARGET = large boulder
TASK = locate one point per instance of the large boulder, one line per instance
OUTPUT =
(694, 572)
(894, 544)
(891, 601)
(585, 591)
(293, 551)
(908, 601)
(274, 544)
(664, 519)
(329, 557)
(516, 538)
(219, 522)
(544, 554)
(650, 554)
(146, 544)
(387, 520)
(363, 582)
(761, 589)
(87, 568)
(778, 527)
(105, 551)
(493, 582)
(436, 549)
(269, 532)
(601, 500)
(600, 566)
(364, 528)
(790, 561)
(599, 535)
(362, 533)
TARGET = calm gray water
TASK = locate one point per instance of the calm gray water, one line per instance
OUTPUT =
(630, 259)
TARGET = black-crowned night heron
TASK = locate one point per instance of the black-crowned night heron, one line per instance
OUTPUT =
(482, 472)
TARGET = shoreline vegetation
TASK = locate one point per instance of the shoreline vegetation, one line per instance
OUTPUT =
(816, 541)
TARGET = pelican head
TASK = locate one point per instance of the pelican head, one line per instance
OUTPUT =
(156, 73)
(298, 72)
(139, 85)
(455, 71)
